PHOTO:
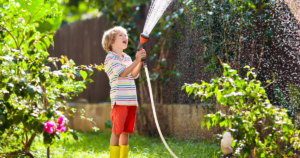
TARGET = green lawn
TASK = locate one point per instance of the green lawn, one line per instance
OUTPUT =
(94, 145)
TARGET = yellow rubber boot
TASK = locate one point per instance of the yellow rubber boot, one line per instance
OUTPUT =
(124, 151)
(114, 151)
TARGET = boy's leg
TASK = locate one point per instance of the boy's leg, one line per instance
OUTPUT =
(114, 147)
(124, 138)
(128, 128)
(124, 145)
(118, 116)
(114, 139)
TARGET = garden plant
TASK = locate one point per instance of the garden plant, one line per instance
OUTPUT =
(292, 105)
(33, 88)
(245, 111)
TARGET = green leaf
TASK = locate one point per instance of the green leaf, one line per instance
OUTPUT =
(219, 96)
(191, 91)
(44, 26)
(74, 134)
(40, 128)
(77, 73)
(187, 89)
(209, 95)
(108, 124)
(6, 96)
(262, 91)
(30, 89)
(34, 8)
(222, 123)
(263, 6)
(49, 114)
(90, 71)
(270, 33)
(82, 6)
(279, 95)
(47, 138)
(8, 106)
(42, 78)
(56, 23)
(208, 123)
(83, 74)
(45, 61)
(177, 34)
(18, 118)
(2, 117)
(62, 61)
(294, 93)
(251, 5)
(203, 123)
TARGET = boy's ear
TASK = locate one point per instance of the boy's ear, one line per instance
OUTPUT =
(113, 42)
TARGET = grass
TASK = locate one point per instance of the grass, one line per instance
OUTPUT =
(92, 145)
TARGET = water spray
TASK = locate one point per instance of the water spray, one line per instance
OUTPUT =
(156, 10)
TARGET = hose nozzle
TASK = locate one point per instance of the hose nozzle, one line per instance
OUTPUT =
(143, 38)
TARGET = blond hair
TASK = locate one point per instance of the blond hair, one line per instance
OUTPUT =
(109, 37)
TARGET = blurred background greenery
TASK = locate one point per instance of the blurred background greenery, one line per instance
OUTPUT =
(74, 10)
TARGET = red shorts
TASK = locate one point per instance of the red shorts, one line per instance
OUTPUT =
(123, 118)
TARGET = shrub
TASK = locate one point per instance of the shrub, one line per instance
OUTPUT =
(32, 95)
(292, 105)
(251, 118)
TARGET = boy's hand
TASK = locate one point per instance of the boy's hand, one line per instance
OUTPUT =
(140, 54)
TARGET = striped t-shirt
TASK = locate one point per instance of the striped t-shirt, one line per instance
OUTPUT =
(123, 91)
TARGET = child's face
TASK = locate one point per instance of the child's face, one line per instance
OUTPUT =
(121, 41)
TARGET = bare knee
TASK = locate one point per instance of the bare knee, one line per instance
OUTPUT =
(125, 133)
(115, 134)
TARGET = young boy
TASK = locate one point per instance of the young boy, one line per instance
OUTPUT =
(121, 72)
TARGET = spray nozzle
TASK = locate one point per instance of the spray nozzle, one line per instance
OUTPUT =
(143, 38)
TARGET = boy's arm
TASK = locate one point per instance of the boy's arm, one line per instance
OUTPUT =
(139, 55)
(136, 70)
(129, 69)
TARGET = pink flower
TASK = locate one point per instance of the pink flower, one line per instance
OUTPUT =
(61, 121)
(3, 29)
(63, 129)
(51, 126)
(21, 19)
(60, 129)
(48, 127)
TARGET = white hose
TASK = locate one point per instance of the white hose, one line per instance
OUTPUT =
(154, 113)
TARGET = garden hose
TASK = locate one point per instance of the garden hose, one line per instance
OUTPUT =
(143, 39)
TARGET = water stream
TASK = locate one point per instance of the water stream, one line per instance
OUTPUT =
(156, 10)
